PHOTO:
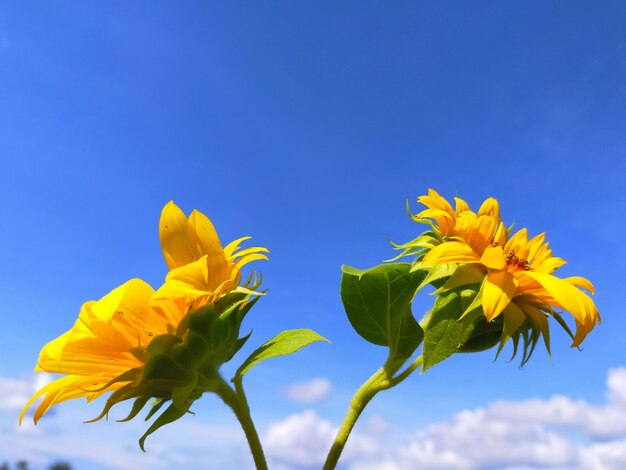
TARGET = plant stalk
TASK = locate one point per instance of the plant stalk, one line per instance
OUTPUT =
(237, 401)
(358, 403)
(382, 379)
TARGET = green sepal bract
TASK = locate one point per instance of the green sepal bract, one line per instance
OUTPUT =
(418, 246)
(485, 335)
(171, 414)
(436, 275)
(138, 405)
(514, 318)
(180, 366)
(156, 406)
(447, 329)
(378, 304)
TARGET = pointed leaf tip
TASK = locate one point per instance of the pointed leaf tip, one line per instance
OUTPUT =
(286, 342)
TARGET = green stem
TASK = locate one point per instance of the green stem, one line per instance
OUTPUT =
(382, 379)
(408, 371)
(358, 403)
(237, 401)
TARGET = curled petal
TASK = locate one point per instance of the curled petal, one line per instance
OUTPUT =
(193, 281)
(451, 252)
(571, 299)
(534, 244)
(184, 241)
(461, 205)
(62, 389)
(581, 282)
(462, 276)
(517, 243)
(490, 207)
(179, 242)
(443, 219)
(500, 235)
(497, 291)
(482, 232)
(435, 201)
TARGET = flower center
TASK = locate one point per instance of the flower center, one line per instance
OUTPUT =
(512, 260)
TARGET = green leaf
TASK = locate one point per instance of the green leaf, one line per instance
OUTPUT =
(286, 342)
(378, 304)
(445, 332)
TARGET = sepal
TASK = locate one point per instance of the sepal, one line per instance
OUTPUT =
(179, 368)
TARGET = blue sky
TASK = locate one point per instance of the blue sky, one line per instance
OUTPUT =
(307, 126)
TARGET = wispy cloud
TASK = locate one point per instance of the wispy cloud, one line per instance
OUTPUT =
(15, 392)
(555, 433)
(302, 441)
(309, 392)
(559, 432)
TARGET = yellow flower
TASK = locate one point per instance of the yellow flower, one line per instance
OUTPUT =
(472, 230)
(201, 270)
(461, 222)
(99, 347)
(114, 338)
(516, 274)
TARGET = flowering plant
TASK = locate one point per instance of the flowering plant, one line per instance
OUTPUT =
(167, 346)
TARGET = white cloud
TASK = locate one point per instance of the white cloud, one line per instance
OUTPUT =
(604, 456)
(376, 426)
(189, 443)
(557, 433)
(16, 392)
(309, 392)
(303, 440)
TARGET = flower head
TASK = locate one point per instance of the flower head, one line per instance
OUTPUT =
(142, 344)
(474, 230)
(515, 273)
(201, 271)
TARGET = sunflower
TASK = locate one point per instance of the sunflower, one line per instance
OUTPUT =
(474, 230)
(516, 273)
(132, 341)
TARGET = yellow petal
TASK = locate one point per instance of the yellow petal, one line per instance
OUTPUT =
(463, 275)
(194, 280)
(131, 299)
(51, 352)
(535, 244)
(517, 243)
(500, 235)
(490, 207)
(443, 219)
(179, 241)
(451, 252)
(493, 257)
(581, 282)
(498, 290)
(234, 246)
(206, 235)
(461, 205)
(482, 233)
(582, 331)
(249, 258)
(569, 298)
(435, 201)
